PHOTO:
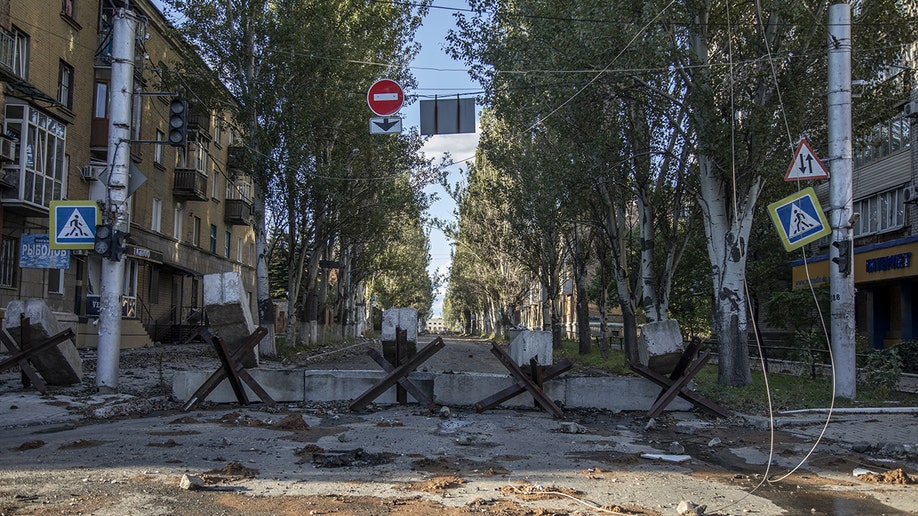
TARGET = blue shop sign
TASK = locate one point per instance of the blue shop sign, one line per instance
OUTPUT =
(35, 253)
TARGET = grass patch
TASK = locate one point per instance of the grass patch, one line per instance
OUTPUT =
(788, 392)
(614, 361)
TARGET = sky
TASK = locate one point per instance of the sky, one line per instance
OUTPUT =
(438, 74)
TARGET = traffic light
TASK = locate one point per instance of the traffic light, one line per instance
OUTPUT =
(178, 122)
(109, 243)
(844, 256)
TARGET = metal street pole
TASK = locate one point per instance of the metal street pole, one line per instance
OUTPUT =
(840, 199)
(116, 209)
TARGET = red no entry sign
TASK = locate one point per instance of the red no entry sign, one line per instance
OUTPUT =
(385, 97)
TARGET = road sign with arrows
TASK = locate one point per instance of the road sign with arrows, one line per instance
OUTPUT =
(386, 125)
(805, 165)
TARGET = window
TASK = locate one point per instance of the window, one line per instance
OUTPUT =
(879, 213)
(67, 8)
(65, 85)
(196, 232)
(227, 240)
(213, 239)
(218, 131)
(55, 281)
(8, 261)
(156, 217)
(40, 169)
(20, 53)
(239, 249)
(159, 148)
(249, 254)
(101, 100)
(177, 223)
(214, 191)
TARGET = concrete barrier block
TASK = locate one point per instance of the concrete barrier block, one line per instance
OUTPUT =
(281, 385)
(404, 318)
(228, 312)
(615, 393)
(466, 389)
(59, 365)
(532, 344)
(659, 338)
(339, 385)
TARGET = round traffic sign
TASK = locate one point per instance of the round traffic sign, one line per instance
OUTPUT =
(385, 97)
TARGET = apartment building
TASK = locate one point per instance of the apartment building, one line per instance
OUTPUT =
(191, 207)
(885, 181)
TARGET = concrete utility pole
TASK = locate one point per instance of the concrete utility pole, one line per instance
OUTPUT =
(116, 208)
(840, 199)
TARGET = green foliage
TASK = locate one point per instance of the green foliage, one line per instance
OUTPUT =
(908, 354)
(613, 362)
(881, 370)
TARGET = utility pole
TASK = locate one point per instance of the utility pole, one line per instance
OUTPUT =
(840, 199)
(116, 203)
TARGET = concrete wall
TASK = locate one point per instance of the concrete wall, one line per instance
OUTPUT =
(450, 389)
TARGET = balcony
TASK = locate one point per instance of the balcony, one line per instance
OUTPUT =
(199, 127)
(190, 185)
(238, 212)
(235, 159)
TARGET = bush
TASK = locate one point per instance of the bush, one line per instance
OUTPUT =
(908, 354)
(882, 369)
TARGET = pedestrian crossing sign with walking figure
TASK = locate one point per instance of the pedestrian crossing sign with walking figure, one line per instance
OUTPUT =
(799, 219)
(73, 224)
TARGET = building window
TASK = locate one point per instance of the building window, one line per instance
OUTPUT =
(227, 240)
(20, 53)
(40, 169)
(65, 85)
(218, 131)
(8, 261)
(884, 139)
(214, 191)
(880, 213)
(156, 217)
(55, 281)
(213, 239)
(159, 148)
(101, 100)
(249, 254)
(177, 223)
(239, 249)
(196, 232)
(67, 8)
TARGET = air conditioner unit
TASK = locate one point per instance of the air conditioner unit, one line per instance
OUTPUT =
(7, 149)
(91, 172)
(910, 109)
(910, 194)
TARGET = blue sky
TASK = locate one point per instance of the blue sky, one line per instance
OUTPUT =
(438, 74)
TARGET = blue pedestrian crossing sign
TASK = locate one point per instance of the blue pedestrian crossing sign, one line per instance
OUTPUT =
(73, 224)
(799, 219)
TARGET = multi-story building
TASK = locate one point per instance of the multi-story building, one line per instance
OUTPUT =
(190, 212)
(885, 228)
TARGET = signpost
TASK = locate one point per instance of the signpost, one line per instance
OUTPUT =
(385, 125)
(805, 165)
(73, 224)
(385, 97)
(799, 219)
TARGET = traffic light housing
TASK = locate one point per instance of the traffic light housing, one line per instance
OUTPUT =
(109, 242)
(178, 122)
(843, 260)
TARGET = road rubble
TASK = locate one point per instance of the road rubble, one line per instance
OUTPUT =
(77, 452)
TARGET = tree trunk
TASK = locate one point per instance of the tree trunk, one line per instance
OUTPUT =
(583, 311)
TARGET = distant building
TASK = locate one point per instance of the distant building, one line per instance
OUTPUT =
(436, 325)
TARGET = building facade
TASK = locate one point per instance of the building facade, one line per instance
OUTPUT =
(191, 206)
(885, 179)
